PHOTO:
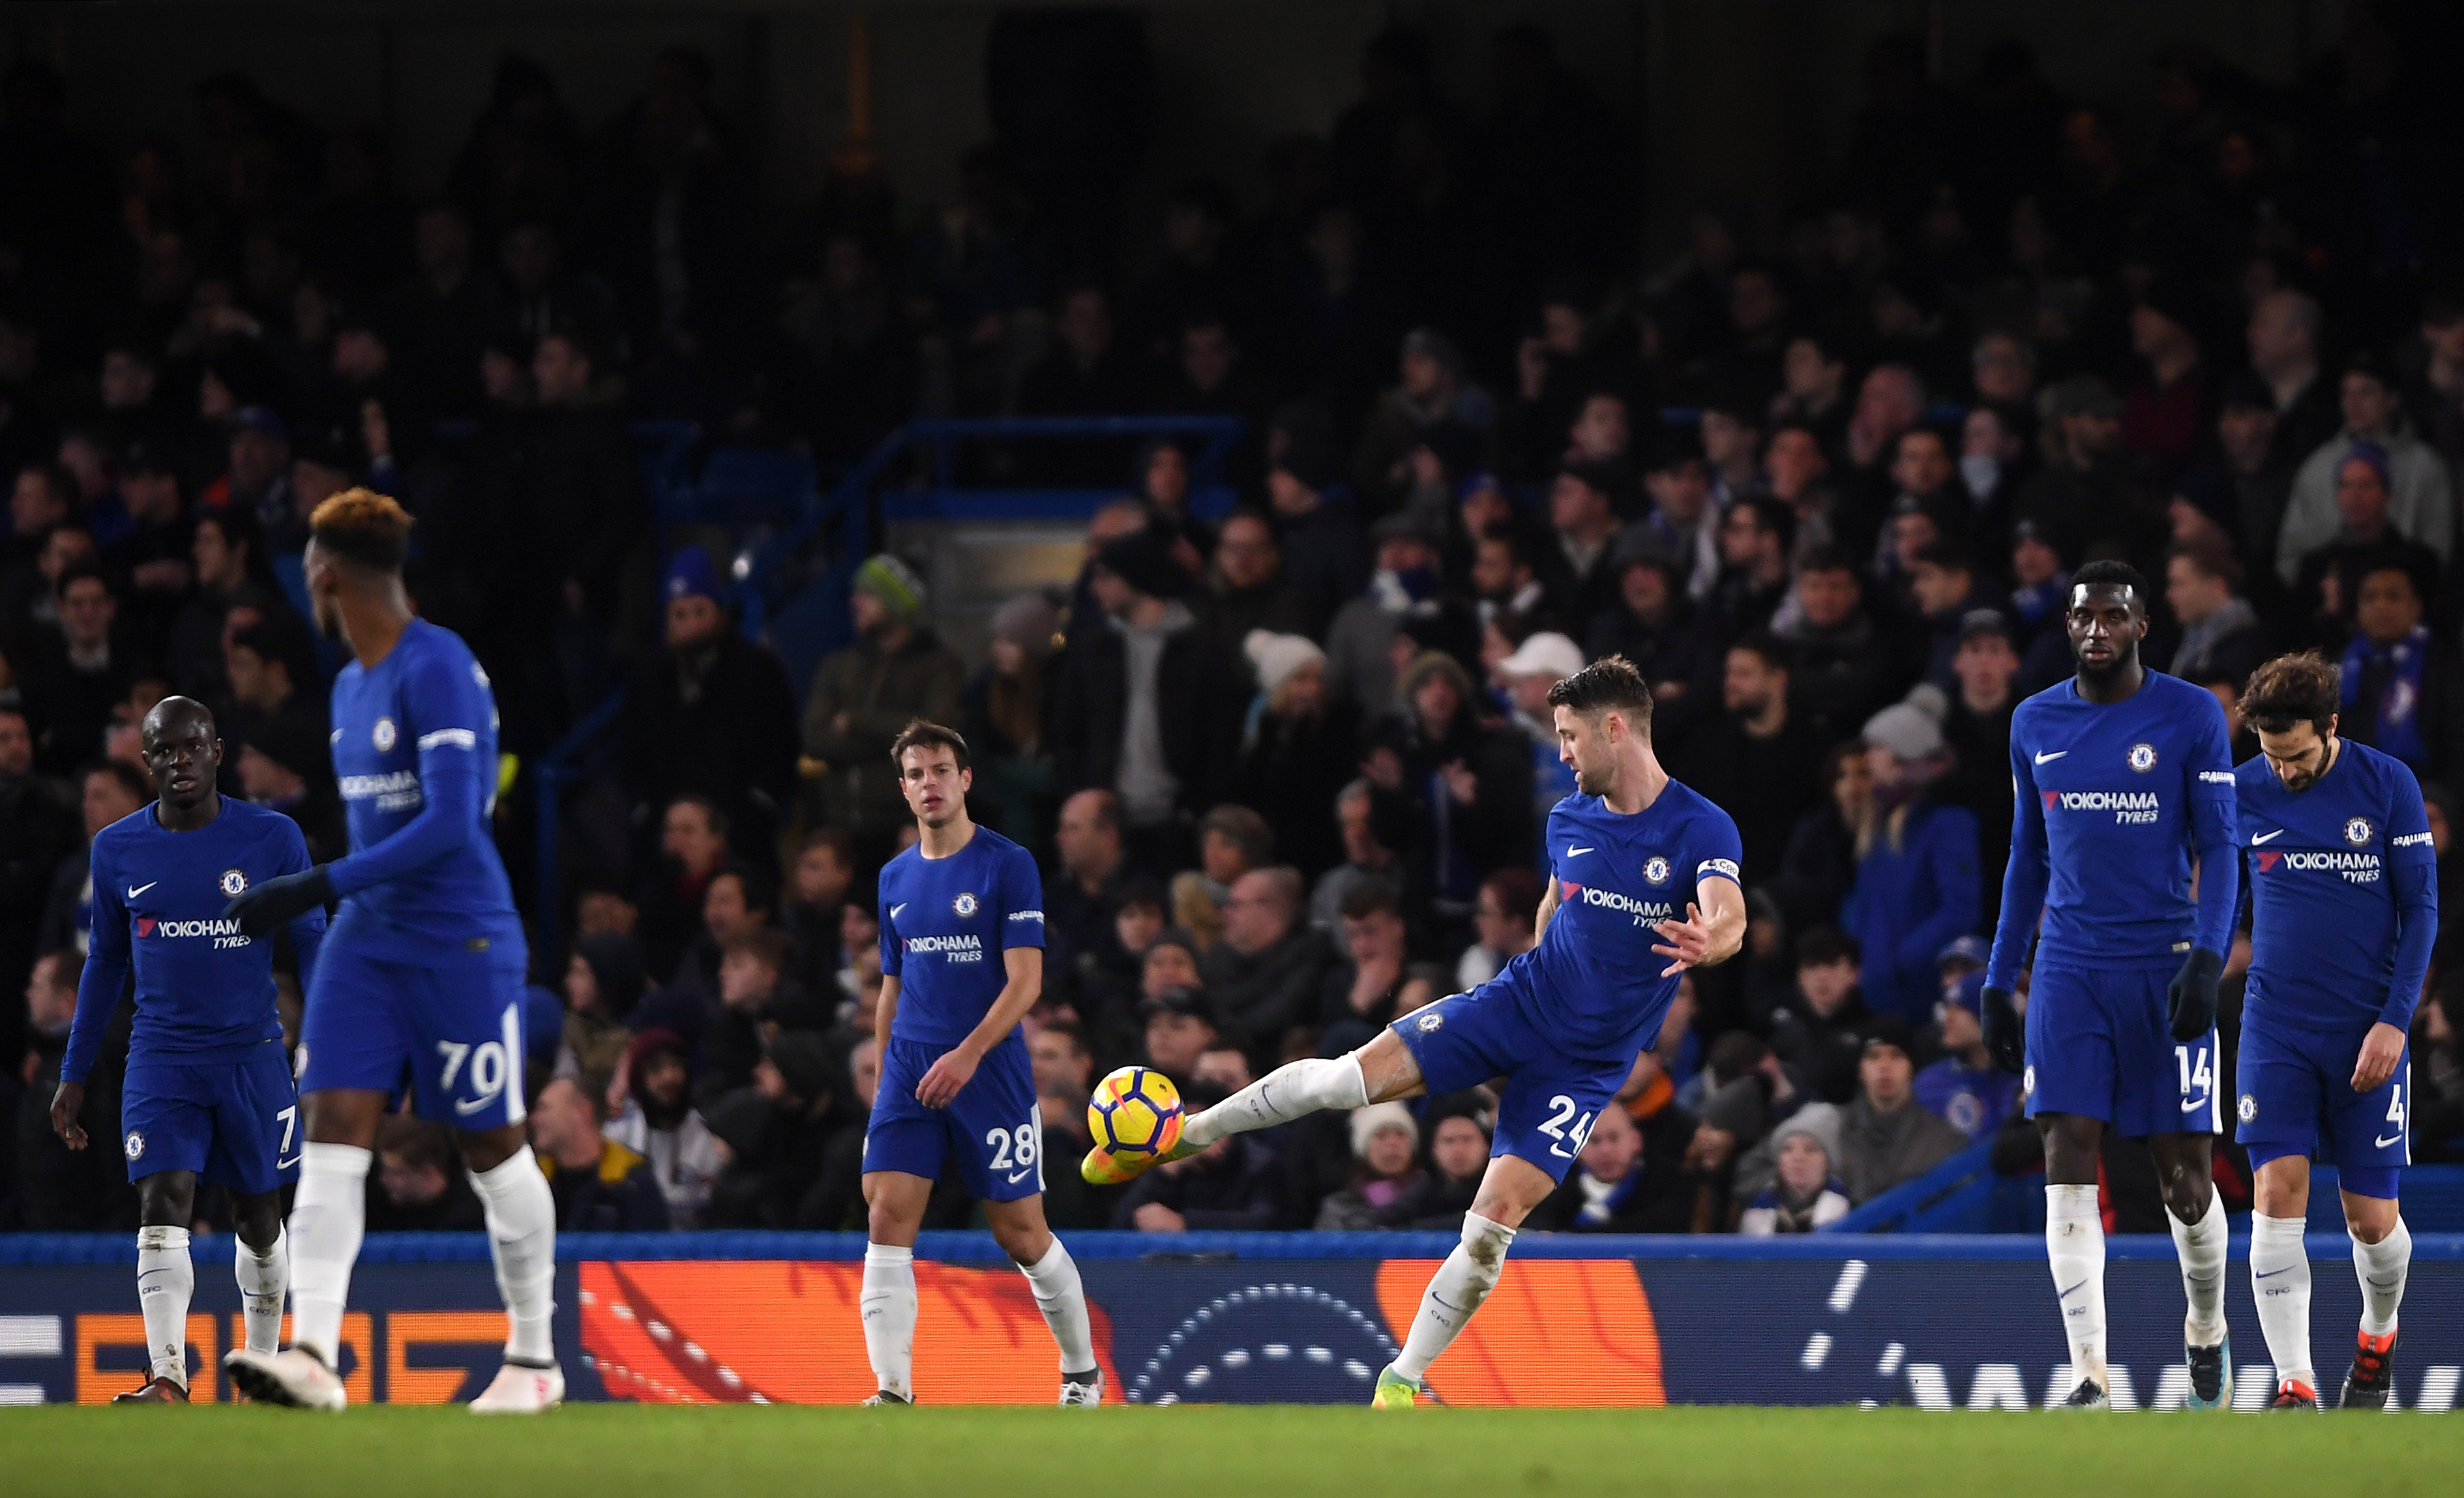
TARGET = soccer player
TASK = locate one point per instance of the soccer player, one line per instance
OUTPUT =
(1564, 1021)
(209, 1090)
(2344, 888)
(422, 969)
(2122, 777)
(961, 962)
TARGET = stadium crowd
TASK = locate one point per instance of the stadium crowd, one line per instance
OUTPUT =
(1822, 479)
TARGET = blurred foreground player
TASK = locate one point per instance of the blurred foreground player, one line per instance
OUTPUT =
(209, 1092)
(1565, 1020)
(961, 962)
(423, 968)
(2344, 890)
(2122, 775)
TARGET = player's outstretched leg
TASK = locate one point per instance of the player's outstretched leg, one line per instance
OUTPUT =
(2382, 1260)
(1290, 1092)
(1019, 1228)
(328, 1219)
(1459, 1288)
(166, 1280)
(521, 1212)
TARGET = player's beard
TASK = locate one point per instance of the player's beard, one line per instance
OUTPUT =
(2107, 675)
(1598, 782)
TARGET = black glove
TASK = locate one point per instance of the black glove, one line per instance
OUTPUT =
(279, 901)
(2194, 994)
(2006, 1037)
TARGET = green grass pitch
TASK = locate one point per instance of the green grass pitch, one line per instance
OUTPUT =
(607, 1451)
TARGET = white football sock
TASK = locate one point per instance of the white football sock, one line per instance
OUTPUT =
(2279, 1281)
(2201, 1245)
(889, 1302)
(166, 1280)
(329, 1215)
(2382, 1266)
(522, 1236)
(1292, 1090)
(261, 1280)
(2075, 1246)
(1063, 1300)
(1455, 1291)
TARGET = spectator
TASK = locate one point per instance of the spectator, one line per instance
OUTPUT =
(1756, 536)
(1458, 1159)
(2246, 488)
(1759, 760)
(1470, 785)
(1820, 860)
(1108, 988)
(108, 792)
(1327, 551)
(287, 766)
(2420, 491)
(2438, 1079)
(1629, 1175)
(78, 678)
(1884, 1138)
(1583, 515)
(418, 1186)
(693, 846)
(2283, 338)
(1434, 387)
(657, 1121)
(1504, 577)
(599, 1186)
(1682, 521)
(1079, 905)
(1385, 1172)
(1405, 602)
(1003, 710)
(2165, 415)
(1841, 665)
(1806, 1196)
(1298, 750)
(1229, 1186)
(2329, 578)
(1661, 630)
(1945, 589)
(1089, 373)
(61, 1190)
(1891, 400)
(710, 713)
(1246, 589)
(1359, 998)
(2075, 499)
(2040, 585)
(864, 695)
(756, 1000)
(1916, 869)
(825, 874)
(1064, 1071)
(151, 562)
(1149, 708)
(1538, 664)
(1965, 1089)
(2221, 635)
(782, 1132)
(1232, 840)
(1261, 976)
(231, 575)
(1367, 861)
(1977, 731)
(602, 982)
(1503, 918)
(1993, 464)
(1180, 1024)
(2403, 688)
(1817, 1033)
(259, 479)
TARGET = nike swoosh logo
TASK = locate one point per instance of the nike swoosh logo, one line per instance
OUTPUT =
(141, 889)
(895, 908)
(2048, 758)
(335, 737)
(475, 1104)
(1577, 852)
(2256, 838)
(2074, 1289)
(2196, 1104)
(1019, 1176)
(286, 1164)
(2272, 1273)
(2389, 1139)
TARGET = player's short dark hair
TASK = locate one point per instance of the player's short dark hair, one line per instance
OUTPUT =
(1610, 684)
(125, 774)
(924, 733)
(1764, 647)
(2304, 688)
(2114, 574)
(364, 528)
(1820, 946)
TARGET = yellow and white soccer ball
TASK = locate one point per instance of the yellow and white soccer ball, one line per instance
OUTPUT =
(1135, 1110)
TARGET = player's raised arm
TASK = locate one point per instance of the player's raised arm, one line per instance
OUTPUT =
(2025, 879)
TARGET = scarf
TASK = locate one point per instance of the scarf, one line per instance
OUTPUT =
(2394, 713)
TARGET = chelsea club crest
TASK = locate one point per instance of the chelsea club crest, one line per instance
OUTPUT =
(1655, 870)
(2143, 758)
(383, 736)
(967, 903)
(2357, 831)
(234, 882)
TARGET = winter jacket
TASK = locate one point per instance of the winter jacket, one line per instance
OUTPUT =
(622, 1195)
(1908, 903)
(1259, 997)
(732, 740)
(2421, 502)
(1201, 694)
(1878, 1151)
(879, 691)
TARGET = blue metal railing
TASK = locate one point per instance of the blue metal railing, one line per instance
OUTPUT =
(805, 625)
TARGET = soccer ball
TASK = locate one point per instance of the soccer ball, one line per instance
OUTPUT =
(1135, 1110)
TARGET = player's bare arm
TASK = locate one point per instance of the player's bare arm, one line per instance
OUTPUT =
(885, 1009)
(1712, 932)
(943, 1079)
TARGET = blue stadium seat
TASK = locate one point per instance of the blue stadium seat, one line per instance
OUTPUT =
(755, 486)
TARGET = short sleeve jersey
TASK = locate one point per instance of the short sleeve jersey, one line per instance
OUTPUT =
(945, 923)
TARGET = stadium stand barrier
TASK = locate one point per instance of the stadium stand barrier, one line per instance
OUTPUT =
(1914, 1320)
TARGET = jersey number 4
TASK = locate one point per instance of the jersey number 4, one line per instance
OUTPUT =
(1562, 1126)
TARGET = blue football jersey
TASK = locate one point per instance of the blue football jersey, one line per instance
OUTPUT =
(1593, 985)
(945, 923)
(2344, 890)
(204, 991)
(415, 753)
(2112, 802)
